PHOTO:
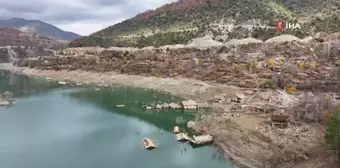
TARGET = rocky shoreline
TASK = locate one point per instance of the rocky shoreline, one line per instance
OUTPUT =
(239, 135)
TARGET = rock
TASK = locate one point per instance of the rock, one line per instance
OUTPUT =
(148, 107)
(309, 95)
(8, 96)
(203, 105)
(62, 83)
(174, 106)
(4, 103)
(158, 106)
(176, 129)
(166, 105)
(191, 124)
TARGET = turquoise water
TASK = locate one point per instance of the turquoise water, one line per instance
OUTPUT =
(50, 127)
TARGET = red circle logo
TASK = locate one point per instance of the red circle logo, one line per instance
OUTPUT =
(280, 25)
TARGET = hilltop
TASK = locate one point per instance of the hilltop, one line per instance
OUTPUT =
(184, 20)
(39, 27)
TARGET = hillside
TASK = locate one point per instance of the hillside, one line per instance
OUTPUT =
(184, 20)
(39, 27)
(13, 37)
(15, 44)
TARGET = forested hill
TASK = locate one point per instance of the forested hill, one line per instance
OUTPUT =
(181, 21)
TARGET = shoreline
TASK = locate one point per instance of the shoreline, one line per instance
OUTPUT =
(183, 87)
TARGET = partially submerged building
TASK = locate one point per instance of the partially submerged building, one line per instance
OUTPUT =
(148, 143)
(202, 139)
(218, 99)
(189, 104)
(280, 119)
(182, 137)
(238, 98)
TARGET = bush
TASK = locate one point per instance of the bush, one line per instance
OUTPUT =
(270, 84)
(291, 90)
(271, 63)
(332, 134)
(251, 65)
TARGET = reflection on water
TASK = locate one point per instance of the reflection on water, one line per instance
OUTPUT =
(134, 99)
(23, 85)
(83, 128)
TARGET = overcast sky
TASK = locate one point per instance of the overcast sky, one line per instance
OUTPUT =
(79, 16)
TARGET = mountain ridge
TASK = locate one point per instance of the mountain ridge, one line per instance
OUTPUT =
(39, 27)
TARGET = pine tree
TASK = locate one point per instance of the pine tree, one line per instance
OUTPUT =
(332, 135)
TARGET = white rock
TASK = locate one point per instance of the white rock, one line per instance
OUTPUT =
(166, 105)
(62, 83)
(176, 129)
(4, 103)
(174, 106)
(158, 106)
(148, 107)
(191, 124)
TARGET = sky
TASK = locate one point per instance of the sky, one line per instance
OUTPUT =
(80, 16)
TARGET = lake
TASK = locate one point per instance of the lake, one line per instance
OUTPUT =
(54, 126)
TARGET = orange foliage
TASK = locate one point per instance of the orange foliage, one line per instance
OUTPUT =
(326, 116)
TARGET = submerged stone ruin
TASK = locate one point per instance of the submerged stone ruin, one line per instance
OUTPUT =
(6, 98)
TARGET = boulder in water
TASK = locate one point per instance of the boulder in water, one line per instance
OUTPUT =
(6, 98)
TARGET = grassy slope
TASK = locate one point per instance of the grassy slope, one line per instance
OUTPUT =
(170, 27)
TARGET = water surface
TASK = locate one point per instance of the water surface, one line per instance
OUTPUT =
(49, 127)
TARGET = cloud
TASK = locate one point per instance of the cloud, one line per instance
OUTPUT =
(79, 16)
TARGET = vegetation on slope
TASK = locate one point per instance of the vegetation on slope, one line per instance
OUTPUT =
(180, 22)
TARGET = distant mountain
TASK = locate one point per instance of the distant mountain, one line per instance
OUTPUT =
(39, 27)
(184, 20)
(14, 37)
